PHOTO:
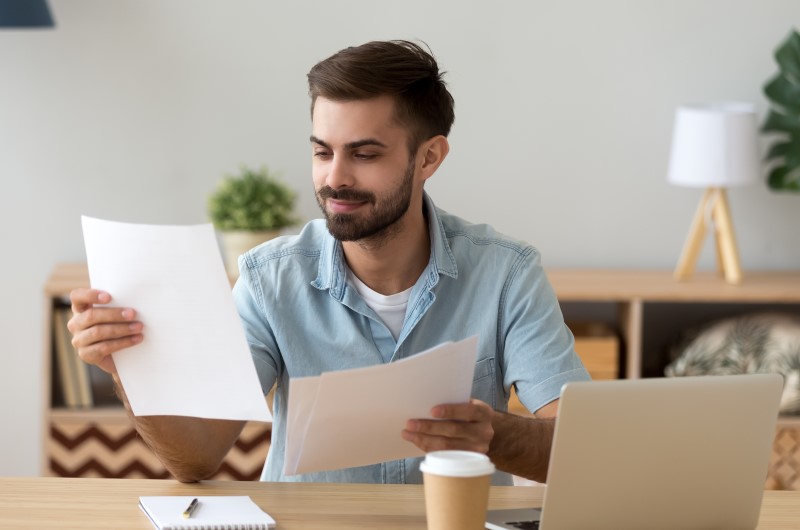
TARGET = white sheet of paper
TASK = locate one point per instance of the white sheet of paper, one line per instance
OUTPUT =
(194, 359)
(354, 417)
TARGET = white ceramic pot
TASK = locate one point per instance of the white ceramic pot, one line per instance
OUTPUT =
(237, 242)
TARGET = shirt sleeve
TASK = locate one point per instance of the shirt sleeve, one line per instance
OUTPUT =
(539, 351)
(263, 347)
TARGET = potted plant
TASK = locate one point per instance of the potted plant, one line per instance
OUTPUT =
(248, 209)
(783, 91)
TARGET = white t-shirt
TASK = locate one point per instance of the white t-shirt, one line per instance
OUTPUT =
(391, 309)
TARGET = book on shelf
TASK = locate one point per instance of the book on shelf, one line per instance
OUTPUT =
(73, 373)
(103, 394)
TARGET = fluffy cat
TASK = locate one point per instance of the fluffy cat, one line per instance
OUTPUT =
(754, 343)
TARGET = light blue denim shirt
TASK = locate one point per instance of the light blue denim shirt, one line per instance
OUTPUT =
(302, 318)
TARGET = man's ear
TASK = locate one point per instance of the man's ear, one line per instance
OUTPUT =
(431, 155)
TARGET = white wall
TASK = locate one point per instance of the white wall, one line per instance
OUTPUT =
(133, 109)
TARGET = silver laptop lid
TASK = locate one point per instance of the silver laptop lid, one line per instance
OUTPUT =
(668, 453)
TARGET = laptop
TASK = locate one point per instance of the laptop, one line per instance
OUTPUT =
(680, 453)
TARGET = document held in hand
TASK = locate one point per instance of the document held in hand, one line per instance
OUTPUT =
(194, 359)
(354, 417)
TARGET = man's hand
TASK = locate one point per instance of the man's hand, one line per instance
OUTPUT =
(97, 332)
(463, 426)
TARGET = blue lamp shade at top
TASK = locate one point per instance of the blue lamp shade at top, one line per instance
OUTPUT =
(25, 14)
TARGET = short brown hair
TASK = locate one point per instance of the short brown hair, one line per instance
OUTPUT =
(397, 68)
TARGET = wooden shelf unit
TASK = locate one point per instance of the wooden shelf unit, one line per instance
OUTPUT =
(646, 308)
(635, 299)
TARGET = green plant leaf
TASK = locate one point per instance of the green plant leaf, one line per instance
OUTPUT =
(789, 150)
(784, 93)
(788, 56)
(783, 178)
(778, 150)
(777, 122)
(253, 200)
(792, 158)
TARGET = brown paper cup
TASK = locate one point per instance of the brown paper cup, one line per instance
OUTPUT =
(456, 489)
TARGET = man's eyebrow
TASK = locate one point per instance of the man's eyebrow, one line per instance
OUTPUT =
(315, 140)
(351, 145)
(362, 143)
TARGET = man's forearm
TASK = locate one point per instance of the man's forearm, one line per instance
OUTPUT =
(521, 445)
(190, 448)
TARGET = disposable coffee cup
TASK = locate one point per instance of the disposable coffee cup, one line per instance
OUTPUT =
(456, 489)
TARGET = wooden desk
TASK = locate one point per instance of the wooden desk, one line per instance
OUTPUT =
(89, 503)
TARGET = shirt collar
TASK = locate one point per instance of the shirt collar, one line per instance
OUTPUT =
(442, 259)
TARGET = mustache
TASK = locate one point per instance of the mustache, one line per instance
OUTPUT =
(346, 194)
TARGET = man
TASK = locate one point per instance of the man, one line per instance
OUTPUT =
(385, 275)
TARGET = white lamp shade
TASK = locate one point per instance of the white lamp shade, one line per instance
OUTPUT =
(715, 145)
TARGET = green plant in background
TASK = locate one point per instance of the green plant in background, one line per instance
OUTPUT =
(783, 91)
(254, 200)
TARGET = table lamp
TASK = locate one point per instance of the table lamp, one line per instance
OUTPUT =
(714, 146)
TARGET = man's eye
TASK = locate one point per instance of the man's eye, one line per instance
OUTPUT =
(321, 154)
(365, 156)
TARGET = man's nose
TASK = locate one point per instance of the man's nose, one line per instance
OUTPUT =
(339, 173)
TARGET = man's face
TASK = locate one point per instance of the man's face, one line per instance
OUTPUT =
(362, 170)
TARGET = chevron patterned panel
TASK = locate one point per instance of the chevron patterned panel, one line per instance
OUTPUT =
(110, 447)
(246, 458)
(784, 467)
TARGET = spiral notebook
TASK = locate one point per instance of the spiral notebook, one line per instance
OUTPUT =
(213, 512)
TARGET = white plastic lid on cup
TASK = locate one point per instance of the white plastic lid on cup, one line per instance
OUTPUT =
(457, 464)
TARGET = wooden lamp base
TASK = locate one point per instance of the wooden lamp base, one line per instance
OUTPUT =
(714, 201)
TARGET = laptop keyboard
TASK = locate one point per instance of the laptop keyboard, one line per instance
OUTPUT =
(524, 525)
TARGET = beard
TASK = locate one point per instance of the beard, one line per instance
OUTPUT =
(386, 211)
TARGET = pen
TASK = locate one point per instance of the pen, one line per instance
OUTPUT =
(189, 509)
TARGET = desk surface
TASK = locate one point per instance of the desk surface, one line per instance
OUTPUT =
(113, 503)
